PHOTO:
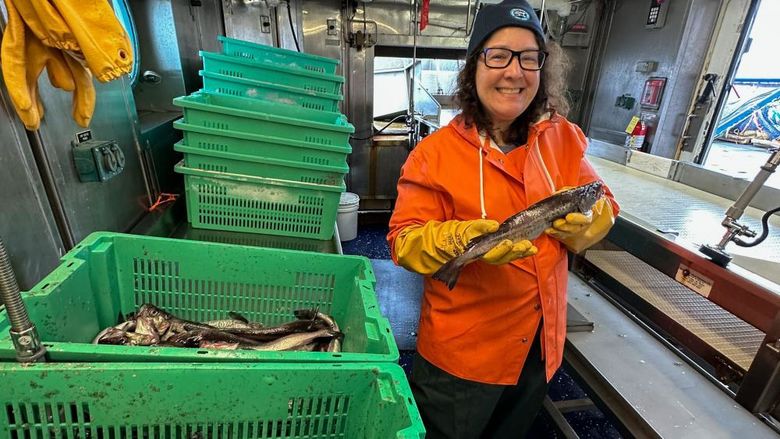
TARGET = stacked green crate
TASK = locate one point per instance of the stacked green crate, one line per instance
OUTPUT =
(264, 144)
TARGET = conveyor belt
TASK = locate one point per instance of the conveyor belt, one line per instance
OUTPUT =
(732, 337)
(672, 398)
(670, 206)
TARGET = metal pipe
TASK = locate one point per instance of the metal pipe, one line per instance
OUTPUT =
(23, 333)
(767, 169)
(733, 228)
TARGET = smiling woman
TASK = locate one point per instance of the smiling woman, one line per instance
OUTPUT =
(488, 348)
(549, 82)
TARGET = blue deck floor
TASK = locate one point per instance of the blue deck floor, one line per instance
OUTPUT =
(371, 243)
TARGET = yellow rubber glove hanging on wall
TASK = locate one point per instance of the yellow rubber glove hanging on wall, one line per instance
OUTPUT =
(35, 30)
(47, 24)
(425, 248)
(102, 40)
(40, 57)
(13, 59)
(84, 95)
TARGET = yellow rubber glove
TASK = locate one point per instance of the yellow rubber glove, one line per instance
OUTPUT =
(39, 57)
(84, 94)
(425, 248)
(101, 38)
(43, 19)
(578, 231)
(13, 58)
(507, 251)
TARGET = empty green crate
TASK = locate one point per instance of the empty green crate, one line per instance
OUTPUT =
(278, 56)
(227, 401)
(261, 167)
(282, 94)
(255, 116)
(241, 203)
(110, 275)
(276, 74)
(210, 139)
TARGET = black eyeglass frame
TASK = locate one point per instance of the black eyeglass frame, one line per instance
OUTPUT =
(517, 54)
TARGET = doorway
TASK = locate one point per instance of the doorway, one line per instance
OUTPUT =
(750, 119)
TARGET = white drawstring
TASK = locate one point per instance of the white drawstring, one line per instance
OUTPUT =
(481, 185)
(550, 181)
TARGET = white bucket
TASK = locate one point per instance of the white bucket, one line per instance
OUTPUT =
(348, 216)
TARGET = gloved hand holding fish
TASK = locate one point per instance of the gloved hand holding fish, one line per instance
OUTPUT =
(519, 229)
(151, 326)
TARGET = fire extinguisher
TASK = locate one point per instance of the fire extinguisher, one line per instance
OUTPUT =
(636, 139)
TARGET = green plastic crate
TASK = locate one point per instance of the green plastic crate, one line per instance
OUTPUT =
(227, 401)
(261, 167)
(255, 116)
(282, 94)
(210, 139)
(109, 275)
(258, 240)
(242, 203)
(278, 56)
(273, 73)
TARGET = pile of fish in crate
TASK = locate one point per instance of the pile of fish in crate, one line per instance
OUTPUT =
(264, 145)
(150, 337)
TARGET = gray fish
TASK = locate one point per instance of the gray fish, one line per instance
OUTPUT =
(293, 341)
(335, 344)
(527, 224)
(233, 325)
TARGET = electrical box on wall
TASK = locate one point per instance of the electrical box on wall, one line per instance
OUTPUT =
(646, 66)
(97, 160)
(656, 16)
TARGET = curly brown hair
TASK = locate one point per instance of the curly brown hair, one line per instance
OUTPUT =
(551, 96)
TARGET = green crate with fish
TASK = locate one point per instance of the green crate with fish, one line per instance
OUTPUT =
(129, 298)
(228, 400)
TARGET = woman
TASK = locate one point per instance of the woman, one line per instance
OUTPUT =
(488, 348)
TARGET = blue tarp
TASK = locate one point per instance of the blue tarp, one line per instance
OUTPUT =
(758, 117)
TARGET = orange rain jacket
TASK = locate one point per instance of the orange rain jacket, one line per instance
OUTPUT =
(482, 329)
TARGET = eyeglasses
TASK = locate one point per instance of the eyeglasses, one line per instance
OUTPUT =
(498, 58)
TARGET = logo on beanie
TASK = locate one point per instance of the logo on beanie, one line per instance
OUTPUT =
(520, 14)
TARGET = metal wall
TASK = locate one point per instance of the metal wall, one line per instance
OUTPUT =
(264, 24)
(448, 23)
(197, 25)
(114, 205)
(159, 54)
(27, 226)
(678, 47)
(682, 86)
(47, 209)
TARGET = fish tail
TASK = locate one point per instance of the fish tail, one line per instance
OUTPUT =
(449, 273)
